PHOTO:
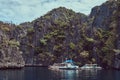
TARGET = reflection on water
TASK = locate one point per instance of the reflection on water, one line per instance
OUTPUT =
(76, 74)
(38, 73)
(11, 74)
(66, 74)
(89, 74)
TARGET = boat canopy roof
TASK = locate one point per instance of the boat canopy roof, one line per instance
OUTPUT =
(69, 61)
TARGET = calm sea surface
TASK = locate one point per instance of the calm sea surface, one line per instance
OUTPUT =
(39, 73)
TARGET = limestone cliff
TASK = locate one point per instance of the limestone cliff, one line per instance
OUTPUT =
(10, 55)
(61, 33)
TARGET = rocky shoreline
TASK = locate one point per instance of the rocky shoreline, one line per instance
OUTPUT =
(21, 66)
(11, 66)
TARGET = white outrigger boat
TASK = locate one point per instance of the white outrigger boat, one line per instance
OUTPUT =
(90, 67)
(67, 65)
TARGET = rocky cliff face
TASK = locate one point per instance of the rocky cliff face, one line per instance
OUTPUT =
(102, 15)
(117, 56)
(62, 33)
(52, 36)
(10, 55)
(105, 19)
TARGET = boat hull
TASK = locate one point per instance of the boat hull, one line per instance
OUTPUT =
(90, 67)
(69, 68)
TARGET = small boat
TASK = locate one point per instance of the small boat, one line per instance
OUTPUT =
(90, 67)
(67, 65)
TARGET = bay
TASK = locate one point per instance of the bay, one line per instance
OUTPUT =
(42, 73)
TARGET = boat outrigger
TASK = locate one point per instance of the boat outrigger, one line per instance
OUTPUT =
(67, 65)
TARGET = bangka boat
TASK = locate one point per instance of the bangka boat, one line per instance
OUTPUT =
(90, 67)
(67, 65)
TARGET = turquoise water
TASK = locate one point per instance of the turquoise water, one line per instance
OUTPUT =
(39, 73)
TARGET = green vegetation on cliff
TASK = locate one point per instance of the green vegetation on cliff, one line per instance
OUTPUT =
(62, 33)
